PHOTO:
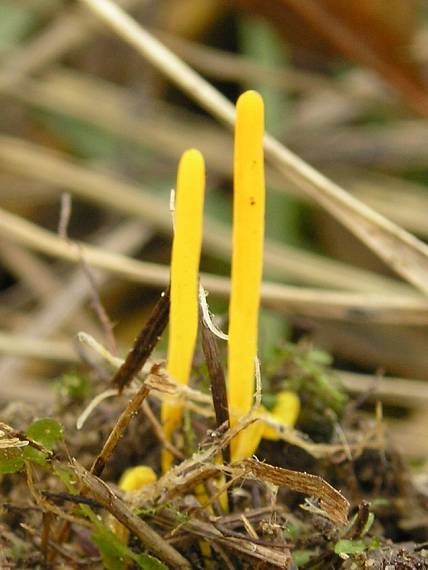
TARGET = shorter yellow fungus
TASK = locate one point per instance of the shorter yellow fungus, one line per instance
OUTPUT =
(285, 412)
(186, 251)
(137, 477)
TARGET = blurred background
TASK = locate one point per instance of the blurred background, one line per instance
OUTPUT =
(345, 87)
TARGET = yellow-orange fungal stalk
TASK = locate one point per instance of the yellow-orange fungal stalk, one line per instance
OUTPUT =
(186, 250)
(247, 264)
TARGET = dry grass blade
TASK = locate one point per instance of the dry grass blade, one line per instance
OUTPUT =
(332, 502)
(72, 93)
(227, 66)
(289, 300)
(400, 250)
(39, 277)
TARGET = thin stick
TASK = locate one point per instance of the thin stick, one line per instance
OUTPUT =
(65, 215)
(404, 253)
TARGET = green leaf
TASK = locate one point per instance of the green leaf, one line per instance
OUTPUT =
(46, 431)
(67, 477)
(35, 456)
(147, 562)
(114, 553)
(11, 460)
(368, 525)
(73, 386)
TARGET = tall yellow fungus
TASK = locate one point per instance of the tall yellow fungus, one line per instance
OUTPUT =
(247, 266)
(186, 250)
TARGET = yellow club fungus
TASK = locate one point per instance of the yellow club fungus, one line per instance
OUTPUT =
(247, 265)
(137, 477)
(186, 249)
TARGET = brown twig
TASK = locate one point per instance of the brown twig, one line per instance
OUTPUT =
(144, 344)
(19, 435)
(99, 491)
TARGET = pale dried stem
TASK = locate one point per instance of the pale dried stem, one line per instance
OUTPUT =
(159, 432)
(23, 346)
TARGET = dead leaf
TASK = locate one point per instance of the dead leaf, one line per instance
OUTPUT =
(332, 502)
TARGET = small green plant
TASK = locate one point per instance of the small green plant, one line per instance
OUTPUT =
(304, 370)
(73, 386)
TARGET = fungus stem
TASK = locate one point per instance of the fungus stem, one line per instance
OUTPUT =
(247, 264)
(186, 249)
